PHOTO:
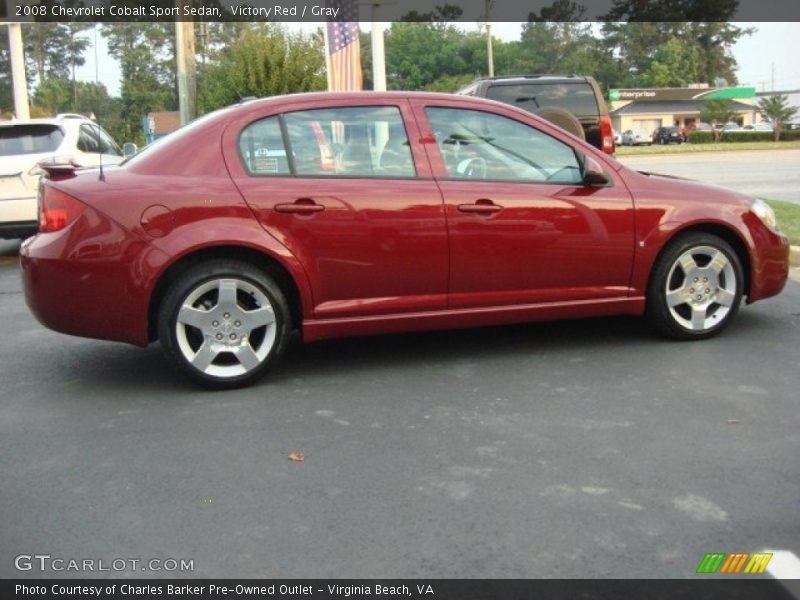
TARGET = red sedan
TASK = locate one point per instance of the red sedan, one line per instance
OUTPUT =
(357, 214)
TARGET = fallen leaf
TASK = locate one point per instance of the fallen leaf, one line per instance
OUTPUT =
(297, 456)
(733, 421)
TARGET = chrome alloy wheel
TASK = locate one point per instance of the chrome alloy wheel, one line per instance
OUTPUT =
(701, 288)
(226, 327)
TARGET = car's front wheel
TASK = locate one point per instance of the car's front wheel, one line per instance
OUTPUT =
(223, 323)
(695, 288)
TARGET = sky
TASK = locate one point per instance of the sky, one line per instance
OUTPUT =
(756, 55)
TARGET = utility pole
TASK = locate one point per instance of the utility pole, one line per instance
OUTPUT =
(489, 50)
(378, 51)
(17, 55)
(187, 69)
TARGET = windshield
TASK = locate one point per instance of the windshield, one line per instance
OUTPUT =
(29, 139)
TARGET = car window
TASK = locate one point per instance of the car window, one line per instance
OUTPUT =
(363, 141)
(29, 139)
(480, 145)
(106, 142)
(88, 140)
(578, 98)
(262, 150)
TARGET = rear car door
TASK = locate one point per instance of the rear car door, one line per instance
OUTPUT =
(348, 190)
(523, 227)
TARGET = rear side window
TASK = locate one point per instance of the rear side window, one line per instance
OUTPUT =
(363, 141)
(88, 140)
(262, 150)
(107, 143)
(578, 98)
(29, 139)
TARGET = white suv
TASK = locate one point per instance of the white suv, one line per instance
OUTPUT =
(23, 144)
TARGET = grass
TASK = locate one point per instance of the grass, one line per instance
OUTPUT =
(721, 147)
(788, 219)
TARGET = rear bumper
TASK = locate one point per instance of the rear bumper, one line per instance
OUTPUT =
(17, 229)
(18, 217)
(90, 279)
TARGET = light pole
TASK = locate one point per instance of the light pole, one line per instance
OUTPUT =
(489, 49)
(17, 55)
(187, 69)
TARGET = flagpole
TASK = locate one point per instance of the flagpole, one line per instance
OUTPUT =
(327, 56)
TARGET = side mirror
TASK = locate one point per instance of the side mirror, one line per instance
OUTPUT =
(593, 174)
(129, 149)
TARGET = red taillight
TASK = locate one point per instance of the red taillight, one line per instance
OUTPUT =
(56, 209)
(607, 133)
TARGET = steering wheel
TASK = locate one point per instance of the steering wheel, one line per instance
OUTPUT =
(473, 168)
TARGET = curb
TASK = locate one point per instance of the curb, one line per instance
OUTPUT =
(794, 256)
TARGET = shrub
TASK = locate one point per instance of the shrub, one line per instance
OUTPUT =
(732, 137)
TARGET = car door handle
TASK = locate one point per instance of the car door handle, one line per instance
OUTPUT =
(301, 206)
(482, 206)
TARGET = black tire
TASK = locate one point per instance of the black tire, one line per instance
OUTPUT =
(200, 275)
(658, 313)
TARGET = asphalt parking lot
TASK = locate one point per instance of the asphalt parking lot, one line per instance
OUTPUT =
(762, 173)
(570, 449)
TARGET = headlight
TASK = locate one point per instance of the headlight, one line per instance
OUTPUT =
(764, 212)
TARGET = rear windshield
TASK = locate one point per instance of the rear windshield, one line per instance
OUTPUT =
(578, 98)
(29, 139)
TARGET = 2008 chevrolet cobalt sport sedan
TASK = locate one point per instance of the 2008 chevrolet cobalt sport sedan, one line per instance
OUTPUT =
(356, 214)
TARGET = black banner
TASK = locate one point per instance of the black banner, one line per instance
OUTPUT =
(435, 589)
(400, 10)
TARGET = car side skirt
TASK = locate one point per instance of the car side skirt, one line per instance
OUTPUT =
(319, 329)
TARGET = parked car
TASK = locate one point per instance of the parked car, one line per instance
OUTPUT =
(440, 211)
(728, 127)
(763, 126)
(573, 102)
(637, 137)
(667, 135)
(23, 144)
(617, 138)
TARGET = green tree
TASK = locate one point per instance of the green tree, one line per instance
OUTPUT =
(776, 110)
(717, 112)
(675, 64)
(6, 93)
(264, 61)
(44, 49)
(146, 55)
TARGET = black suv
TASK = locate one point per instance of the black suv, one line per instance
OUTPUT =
(572, 102)
(667, 135)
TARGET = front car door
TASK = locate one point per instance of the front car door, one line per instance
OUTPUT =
(348, 190)
(523, 227)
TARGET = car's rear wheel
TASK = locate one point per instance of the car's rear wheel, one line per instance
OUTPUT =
(224, 323)
(695, 288)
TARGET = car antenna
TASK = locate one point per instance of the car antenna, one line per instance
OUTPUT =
(102, 175)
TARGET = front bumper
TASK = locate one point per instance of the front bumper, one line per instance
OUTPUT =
(769, 268)
(91, 279)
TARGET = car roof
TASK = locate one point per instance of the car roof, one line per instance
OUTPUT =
(543, 77)
(59, 119)
(346, 98)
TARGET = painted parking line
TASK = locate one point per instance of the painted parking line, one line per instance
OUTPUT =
(8, 260)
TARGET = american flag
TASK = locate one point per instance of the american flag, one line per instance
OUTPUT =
(344, 49)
